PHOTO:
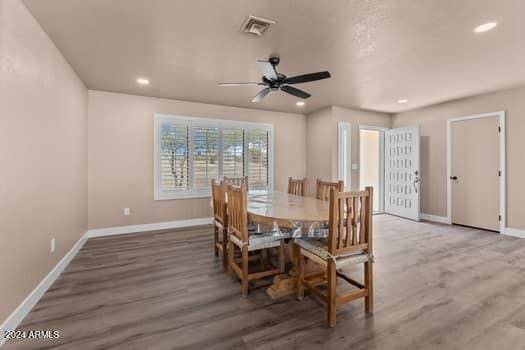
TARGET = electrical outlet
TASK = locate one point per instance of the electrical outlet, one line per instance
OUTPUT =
(127, 211)
(52, 245)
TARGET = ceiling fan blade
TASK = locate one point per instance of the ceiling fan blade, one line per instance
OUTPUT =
(267, 69)
(305, 78)
(240, 84)
(261, 95)
(295, 92)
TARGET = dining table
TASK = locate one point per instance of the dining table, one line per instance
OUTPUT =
(289, 216)
(286, 210)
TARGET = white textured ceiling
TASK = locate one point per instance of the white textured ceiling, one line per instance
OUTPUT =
(378, 51)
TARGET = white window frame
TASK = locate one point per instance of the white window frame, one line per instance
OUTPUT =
(160, 194)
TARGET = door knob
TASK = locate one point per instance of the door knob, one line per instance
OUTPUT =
(416, 180)
(453, 178)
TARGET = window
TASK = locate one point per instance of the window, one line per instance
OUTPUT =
(190, 152)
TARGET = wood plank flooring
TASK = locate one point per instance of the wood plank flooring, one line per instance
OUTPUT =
(437, 287)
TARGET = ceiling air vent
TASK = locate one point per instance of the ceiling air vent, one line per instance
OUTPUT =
(256, 25)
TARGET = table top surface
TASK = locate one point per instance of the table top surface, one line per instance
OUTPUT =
(283, 206)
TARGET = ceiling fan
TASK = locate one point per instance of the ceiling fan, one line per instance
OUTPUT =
(275, 81)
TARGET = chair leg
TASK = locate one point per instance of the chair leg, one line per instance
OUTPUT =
(225, 246)
(369, 285)
(244, 278)
(264, 258)
(281, 257)
(332, 283)
(299, 267)
(231, 253)
(215, 240)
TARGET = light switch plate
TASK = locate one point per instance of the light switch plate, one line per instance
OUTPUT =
(52, 245)
(127, 211)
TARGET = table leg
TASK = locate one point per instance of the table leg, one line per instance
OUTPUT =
(284, 284)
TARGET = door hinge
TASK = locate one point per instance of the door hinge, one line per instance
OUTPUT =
(499, 217)
(499, 128)
(499, 173)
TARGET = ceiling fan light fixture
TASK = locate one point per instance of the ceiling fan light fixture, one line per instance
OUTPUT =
(274, 81)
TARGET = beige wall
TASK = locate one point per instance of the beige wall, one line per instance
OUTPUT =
(319, 148)
(433, 148)
(120, 157)
(43, 172)
(322, 134)
(355, 117)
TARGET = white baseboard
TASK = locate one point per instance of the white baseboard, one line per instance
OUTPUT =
(14, 319)
(509, 231)
(434, 218)
(120, 230)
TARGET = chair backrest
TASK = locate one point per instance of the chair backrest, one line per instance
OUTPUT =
(297, 186)
(218, 199)
(322, 188)
(238, 212)
(350, 222)
(237, 181)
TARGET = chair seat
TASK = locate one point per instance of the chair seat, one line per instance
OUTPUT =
(319, 247)
(258, 241)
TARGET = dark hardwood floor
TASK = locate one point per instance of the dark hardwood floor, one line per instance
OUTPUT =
(437, 287)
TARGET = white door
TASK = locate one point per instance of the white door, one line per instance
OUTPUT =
(402, 173)
(475, 172)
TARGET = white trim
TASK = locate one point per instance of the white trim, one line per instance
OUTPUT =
(509, 231)
(344, 153)
(381, 162)
(121, 230)
(16, 317)
(502, 164)
(434, 218)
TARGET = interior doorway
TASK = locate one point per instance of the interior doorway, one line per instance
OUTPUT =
(476, 171)
(372, 163)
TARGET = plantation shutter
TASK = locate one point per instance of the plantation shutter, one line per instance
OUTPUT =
(190, 152)
(205, 156)
(233, 152)
(174, 162)
(258, 160)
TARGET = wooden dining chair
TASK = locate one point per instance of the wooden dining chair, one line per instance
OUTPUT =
(297, 186)
(322, 188)
(349, 242)
(240, 239)
(220, 220)
(237, 181)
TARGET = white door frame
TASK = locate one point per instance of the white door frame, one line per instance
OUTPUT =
(344, 153)
(381, 208)
(502, 164)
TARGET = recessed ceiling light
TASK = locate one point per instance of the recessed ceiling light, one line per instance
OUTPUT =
(402, 101)
(299, 103)
(143, 81)
(485, 27)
